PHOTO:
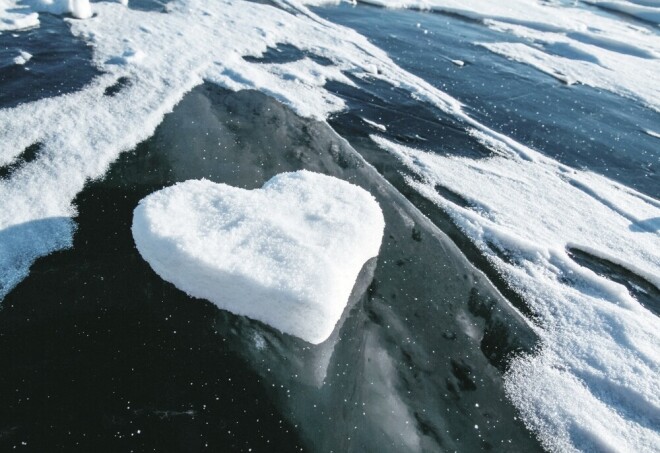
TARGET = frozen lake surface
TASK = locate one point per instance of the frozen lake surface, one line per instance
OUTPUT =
(514, 152)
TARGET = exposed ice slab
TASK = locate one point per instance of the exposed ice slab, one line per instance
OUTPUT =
(594, 385)
(621, 57)
(287, 254)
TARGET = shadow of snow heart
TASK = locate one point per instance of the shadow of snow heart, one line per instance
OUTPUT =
(287, 254)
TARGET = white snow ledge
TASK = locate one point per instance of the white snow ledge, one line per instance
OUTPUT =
(287, 254)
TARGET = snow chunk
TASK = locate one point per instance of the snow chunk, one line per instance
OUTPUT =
(18, 15)
(22, 58)
(287, 254)
(80, 9)
(378, 126)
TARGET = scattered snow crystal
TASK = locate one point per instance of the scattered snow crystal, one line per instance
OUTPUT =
(287, 254)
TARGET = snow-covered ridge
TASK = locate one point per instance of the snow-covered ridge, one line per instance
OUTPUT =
(287, 254)
(594, 385)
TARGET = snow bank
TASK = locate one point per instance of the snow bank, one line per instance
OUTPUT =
(80, 9)
(625, 59)
(594, 385)
(287, 254)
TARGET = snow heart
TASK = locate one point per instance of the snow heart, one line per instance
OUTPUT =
(287, 254)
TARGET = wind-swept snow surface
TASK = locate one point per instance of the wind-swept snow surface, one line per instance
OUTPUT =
(594, 385)
(287, 254)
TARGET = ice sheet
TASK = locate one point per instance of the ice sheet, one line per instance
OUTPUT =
(623, 58)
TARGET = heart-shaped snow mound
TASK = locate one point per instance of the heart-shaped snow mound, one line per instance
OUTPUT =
(287, 254)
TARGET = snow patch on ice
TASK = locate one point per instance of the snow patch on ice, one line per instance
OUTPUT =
(594, 384)
(22, 58)
(16, 17)
(648, 11)
(378, 126)
(652, 133)
(287, 254)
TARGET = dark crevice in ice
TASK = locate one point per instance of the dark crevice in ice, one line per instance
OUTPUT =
(28, 155)
(452, 196)
(463, 374)
(286, 53)
(408, 122)
(641, 289)
(117, 87)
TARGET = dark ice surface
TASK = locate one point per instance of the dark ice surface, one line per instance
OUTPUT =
(60, 62)
(578, 125)
(99, 354)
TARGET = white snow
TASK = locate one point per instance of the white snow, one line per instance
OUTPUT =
(16, 17)
(648, 11)
(380, 127)
(287, 254)
(80, 9)
(594, 383)
(22, 58)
